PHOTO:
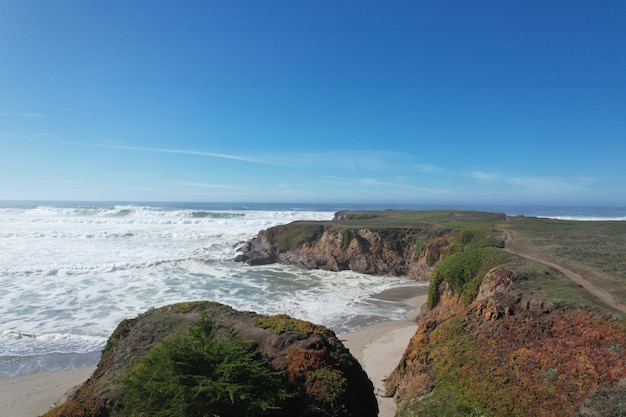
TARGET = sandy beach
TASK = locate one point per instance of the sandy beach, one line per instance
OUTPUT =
(378, 348)
(33, 394)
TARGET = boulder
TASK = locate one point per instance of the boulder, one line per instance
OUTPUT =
(205, 358)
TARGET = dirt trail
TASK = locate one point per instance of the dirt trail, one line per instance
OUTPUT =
(595, 283)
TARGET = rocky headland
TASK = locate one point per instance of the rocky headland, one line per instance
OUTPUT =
(377, 243)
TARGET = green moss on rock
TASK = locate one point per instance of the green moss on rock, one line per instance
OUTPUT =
(283, 323)
(291, 236)
(464, 272)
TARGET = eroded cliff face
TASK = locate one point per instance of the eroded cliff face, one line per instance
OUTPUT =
(397, 252)
(510, 353)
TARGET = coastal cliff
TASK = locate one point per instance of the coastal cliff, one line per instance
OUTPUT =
(204, 358)
(377, 243)
(364, 250)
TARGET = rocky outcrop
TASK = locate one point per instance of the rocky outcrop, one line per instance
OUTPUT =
(258, 251)
(510, 352)
(497, 298)
(211, 359)
(385, 251)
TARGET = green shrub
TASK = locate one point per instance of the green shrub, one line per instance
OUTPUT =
(362, 216)
(445, 404)
(205, 371)
(282, 323)
(346, 238)
(293, 235)
(420, 246)
(328, 386)
(464, 272)
(469, 238)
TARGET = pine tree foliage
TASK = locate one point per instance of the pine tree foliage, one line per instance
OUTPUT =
(207, 371)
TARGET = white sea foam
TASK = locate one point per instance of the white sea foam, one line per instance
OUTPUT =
(39, 241)
(587, 218)
(26, 344)
(70, 275)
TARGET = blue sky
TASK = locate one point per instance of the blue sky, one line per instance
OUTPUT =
(481, 102)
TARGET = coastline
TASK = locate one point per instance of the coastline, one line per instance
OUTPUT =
(378, 348)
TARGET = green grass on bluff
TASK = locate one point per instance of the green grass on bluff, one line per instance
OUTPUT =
(599, 245)
(587, 245)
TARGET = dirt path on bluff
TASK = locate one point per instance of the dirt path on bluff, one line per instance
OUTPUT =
(595, 283)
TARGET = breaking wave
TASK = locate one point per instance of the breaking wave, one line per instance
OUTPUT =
(71, 274)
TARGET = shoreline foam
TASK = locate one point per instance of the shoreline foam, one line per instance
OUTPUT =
(378, 348)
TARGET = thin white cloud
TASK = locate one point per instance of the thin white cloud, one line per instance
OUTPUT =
(427, 168)
(142, 188)
(373, 181)
(551, 185)
(484, 176)
(335, 178)
(350, 160)
(64, 182)
(26, 115)
(263, 194)
(181, 152)
(203, 185)
(539, 183)
(369, 182)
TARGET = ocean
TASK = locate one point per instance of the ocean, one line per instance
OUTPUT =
(70, 272)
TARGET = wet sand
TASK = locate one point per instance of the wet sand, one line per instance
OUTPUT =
(33, 394)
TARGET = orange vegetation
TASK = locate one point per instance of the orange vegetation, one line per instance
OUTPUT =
(536, 365)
